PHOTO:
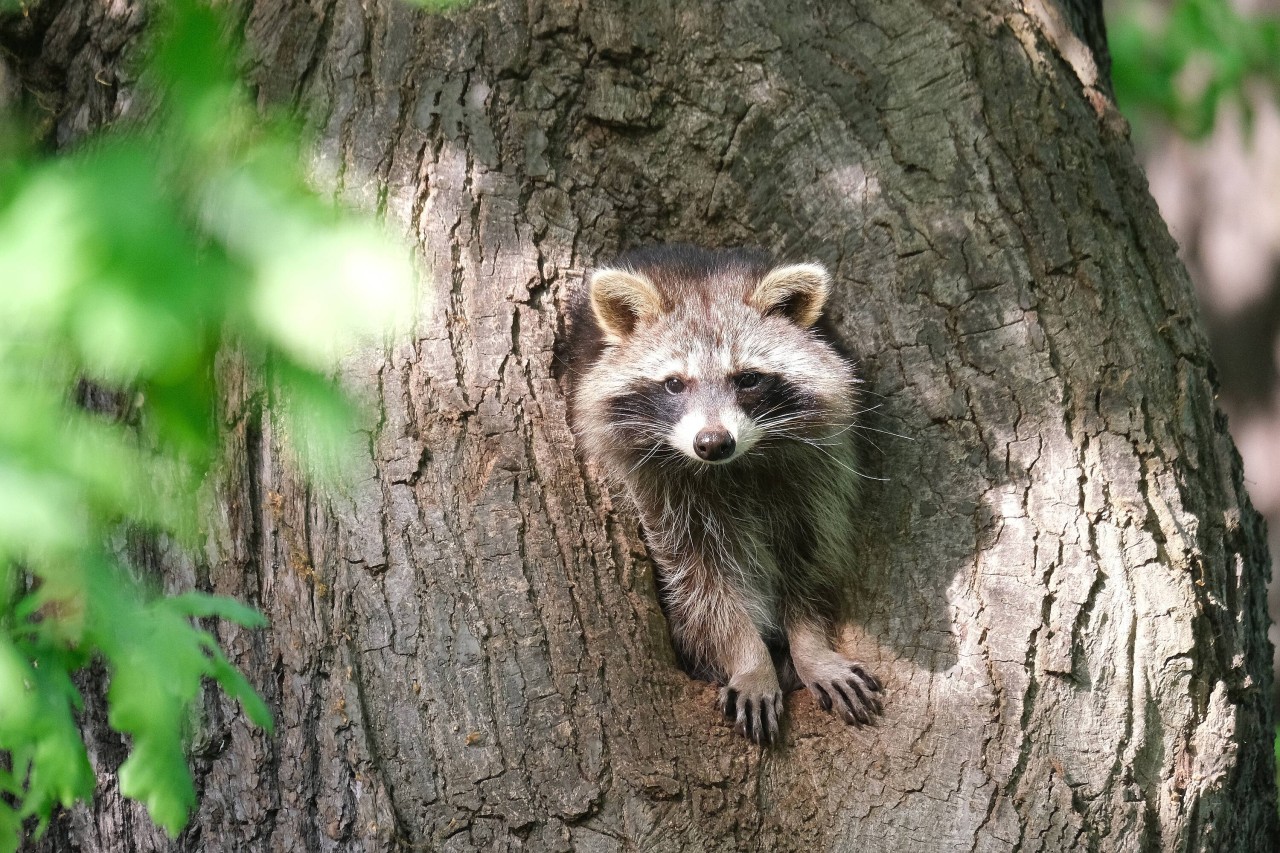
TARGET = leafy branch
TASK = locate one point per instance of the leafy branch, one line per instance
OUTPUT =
(1181, 62)
(128, 266)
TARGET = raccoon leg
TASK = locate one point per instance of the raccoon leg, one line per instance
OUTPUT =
(715, 626)
(840, 685)
(753, 697)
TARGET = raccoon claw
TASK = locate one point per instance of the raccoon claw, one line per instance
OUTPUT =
(870, 680)
(755, 715)
(851, 693)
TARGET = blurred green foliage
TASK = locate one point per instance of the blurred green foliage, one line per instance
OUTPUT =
(1179, 61)
(125, 268)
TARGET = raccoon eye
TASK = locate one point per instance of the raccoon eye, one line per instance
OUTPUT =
(673, 386)
(747, 381)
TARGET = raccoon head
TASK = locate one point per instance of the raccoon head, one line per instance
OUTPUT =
(708, 366)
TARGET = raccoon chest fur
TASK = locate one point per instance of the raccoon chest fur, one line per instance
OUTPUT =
(705, 383)
(747, 532)
(727, 542)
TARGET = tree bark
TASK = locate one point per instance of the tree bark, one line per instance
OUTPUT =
(1063, 582)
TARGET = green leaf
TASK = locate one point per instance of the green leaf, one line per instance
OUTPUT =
(202, 605)
(321, 425)
(238, 687)
(60, 770)
(10, 828)
(1182, 66)
(156, 665)
(19, 703)
(156, 774)
(39, 732)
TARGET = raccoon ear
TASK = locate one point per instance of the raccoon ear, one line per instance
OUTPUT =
(621, 299)
(795, 291)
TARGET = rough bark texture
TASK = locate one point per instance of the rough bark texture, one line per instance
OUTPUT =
(1064, 583)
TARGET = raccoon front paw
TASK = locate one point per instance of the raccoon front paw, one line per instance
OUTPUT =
(754, 703)
(846, 689)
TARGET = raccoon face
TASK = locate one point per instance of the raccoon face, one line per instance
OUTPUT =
(717, 407)
(707, 370)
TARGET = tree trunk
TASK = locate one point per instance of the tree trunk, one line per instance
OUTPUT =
(1063, 583)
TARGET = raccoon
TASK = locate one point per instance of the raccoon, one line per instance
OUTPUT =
(702, 381)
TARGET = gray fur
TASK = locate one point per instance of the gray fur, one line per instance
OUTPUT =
(753, 550)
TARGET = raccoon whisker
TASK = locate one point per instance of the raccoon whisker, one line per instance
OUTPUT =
(677, 461)
(840, 431)
(873, 443)
(638, 420)
(814, 442)
(641, 443)
(637, 448)
(668, 457)
(809, 420)
(767, 412)
(644, 428)
(865, 428)
(790, 432)
(644, 459)
(782, 419)
(779, 423)
(833, 458)
(781, 405)
(851, 425)
(808, 417)
(643, 436)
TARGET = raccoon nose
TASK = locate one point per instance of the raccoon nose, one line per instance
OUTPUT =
(714, 445)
